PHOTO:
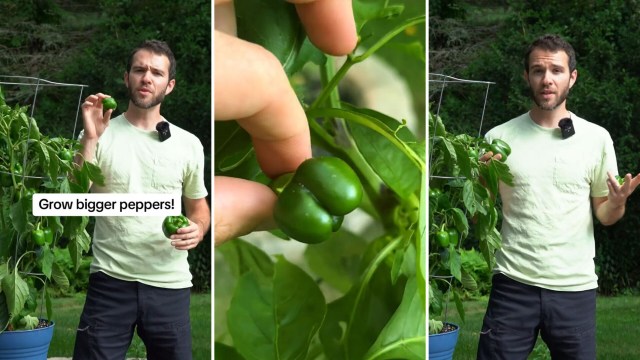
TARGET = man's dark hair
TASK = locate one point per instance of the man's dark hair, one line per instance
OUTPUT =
(551, 43)
(157, 47)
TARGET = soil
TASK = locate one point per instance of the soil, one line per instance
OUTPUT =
(447, 328)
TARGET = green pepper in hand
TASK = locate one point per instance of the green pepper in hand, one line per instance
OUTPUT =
(171, 224)
(313, 201)
(500, 147)
(109, 103)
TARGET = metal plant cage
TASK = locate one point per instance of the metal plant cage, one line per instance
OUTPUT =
(30, 91)
(474, 90)
(26, 90)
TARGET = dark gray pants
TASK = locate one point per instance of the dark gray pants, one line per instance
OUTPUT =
(517, 313)
(114, 308)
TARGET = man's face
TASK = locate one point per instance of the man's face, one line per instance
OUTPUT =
(148, 79)
(549, 78)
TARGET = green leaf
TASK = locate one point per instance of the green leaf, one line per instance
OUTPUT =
(59, 277)
(352, 320)
(28, 322)
(226, 352)
(46, 261)
(19, 217)
(232, 146)
(337, 261)
(460, 220)
(455, 264)
(16, 291)
(275, 319)
(388, 161)
(468, 282)
(299, 310)
(368, 10)
(243, 257)
(404, 336)
(250, 317)
(93, 172)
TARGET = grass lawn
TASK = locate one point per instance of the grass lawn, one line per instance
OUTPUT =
(67, 314)
(617, 325)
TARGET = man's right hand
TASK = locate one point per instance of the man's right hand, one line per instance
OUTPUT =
(95, 121)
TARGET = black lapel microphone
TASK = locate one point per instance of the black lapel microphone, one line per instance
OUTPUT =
(163, 130)
(566, 128)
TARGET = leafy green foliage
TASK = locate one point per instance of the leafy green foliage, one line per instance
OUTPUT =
(463, 194)
(31, 164)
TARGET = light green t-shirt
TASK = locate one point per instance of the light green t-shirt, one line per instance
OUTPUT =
(134, 161)
(547, 228)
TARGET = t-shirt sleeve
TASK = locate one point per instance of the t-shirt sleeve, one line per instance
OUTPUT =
(608, 163)
(194, 187)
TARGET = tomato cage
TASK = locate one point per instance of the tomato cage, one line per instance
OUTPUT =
(29, 91)
(35, 128)
(454, 123)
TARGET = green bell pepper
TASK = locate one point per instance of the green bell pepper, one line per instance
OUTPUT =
(65, 155)
(500, 147)
(442, 237)
(37, 235)
(313, 201)
(48, 235)
(171, 224)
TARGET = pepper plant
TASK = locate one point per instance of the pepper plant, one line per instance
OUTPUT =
(463, 214)
(354, 296)
(31, 162)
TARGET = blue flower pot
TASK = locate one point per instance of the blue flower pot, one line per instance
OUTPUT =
(26, 344)
(441, 346)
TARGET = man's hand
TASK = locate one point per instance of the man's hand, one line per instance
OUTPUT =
(486, 157)
(95, 121)
(251, 87)
(618, 194)
(610, 209)
(188, 237)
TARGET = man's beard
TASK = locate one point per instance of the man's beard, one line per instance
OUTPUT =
(549, 107)
(150, 103)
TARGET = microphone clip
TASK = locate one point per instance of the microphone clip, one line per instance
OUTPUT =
(163, 131)
(566, 128)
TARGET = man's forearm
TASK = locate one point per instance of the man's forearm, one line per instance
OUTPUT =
(609, 213)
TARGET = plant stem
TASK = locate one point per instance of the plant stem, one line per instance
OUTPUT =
(368, 273)
(352, 59)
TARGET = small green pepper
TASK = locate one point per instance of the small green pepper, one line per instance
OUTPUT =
(48, 235)
(171, 224)
(442, 237)
(109, 103)
(65, 155)
(313, 201)
(37, 235)
(454, 236)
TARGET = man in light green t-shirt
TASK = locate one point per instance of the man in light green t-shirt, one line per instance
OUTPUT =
(563, 169)
(139, 278)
